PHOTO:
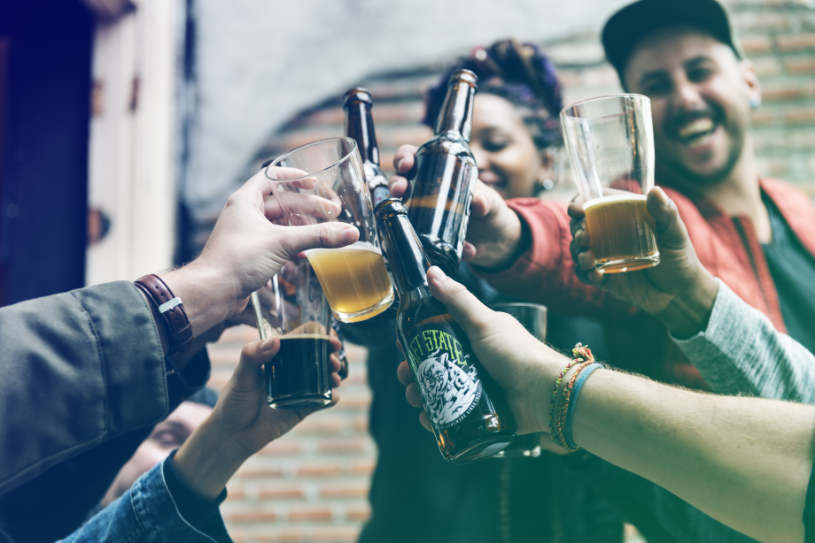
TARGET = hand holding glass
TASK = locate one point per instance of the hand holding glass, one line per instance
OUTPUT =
(324, 181)
(533, 318)
(610, 141)
(292, 307)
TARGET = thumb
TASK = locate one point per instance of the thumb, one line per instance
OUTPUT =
(253, 355)
(670, 230)
(326, 235)
(464, 307)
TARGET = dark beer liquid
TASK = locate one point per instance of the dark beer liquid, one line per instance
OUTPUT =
(300, 374)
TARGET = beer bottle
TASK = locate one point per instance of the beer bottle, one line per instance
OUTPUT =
(466, 421)
(359, 125)
(439, 201)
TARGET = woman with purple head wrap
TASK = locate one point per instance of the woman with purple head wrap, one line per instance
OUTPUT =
(415, 495)
(515, 115)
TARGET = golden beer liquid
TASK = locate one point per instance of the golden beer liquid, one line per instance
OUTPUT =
(354, 280)
(622, 233)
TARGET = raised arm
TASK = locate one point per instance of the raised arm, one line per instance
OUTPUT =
(735, 347)
(82, 367)
(743, 461)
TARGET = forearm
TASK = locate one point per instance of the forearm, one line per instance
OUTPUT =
(206, 461)
(544, 271)
(209, 297)
(688, 312)
(98, 350)
(741, 352)
(743, 461)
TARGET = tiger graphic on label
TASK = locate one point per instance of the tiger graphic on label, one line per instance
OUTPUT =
(450, 391)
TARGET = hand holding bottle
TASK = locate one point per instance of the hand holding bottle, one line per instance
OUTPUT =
(494, 230)
(523, 367)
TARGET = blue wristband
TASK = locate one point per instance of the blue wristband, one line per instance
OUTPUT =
(567, 430)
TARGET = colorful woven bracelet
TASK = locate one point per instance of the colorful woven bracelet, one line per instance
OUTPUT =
(583, 376)
(563, 408)
(561, 391)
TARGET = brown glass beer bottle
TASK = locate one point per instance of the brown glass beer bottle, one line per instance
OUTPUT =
(439, 200)
(466, 421)
(359, 125)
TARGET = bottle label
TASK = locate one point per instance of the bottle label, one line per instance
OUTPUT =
(449, 383)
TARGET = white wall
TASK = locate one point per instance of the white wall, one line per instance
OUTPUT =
(259, 61)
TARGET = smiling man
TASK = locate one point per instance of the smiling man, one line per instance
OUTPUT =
(685, 58)
(756, 234)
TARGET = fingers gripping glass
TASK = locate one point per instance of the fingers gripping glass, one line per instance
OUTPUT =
(323, 181)
(610, 142)
(533, 318)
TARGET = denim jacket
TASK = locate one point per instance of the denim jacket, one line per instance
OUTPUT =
(153, 511)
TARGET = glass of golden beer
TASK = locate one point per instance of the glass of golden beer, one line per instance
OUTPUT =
(292, 306)
(533, 318)
(324, 181)
(610, 142)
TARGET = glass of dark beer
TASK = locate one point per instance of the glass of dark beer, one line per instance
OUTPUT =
(324, 181)
(533, 318)
(292, 306)
(610, 142)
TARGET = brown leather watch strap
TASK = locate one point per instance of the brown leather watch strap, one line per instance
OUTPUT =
(171, 309)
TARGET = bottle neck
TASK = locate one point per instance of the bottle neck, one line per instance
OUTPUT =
(407, 261)
(457, 110)
(359, 125)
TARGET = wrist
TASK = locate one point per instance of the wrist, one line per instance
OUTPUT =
(688, 314)
(513, 239)
(549, 364)
(207, 296)
(206, 462)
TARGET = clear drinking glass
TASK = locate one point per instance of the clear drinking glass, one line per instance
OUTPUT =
(324, 181)
(533, 318)
(610, 142)
(292, 306)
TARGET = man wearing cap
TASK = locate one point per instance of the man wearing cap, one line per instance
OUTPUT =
(755, 234)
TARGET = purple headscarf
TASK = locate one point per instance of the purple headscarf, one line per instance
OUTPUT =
(517, 72)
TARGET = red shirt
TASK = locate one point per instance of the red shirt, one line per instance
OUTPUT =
(727, 246)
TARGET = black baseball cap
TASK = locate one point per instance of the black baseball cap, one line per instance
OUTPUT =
(628, 26)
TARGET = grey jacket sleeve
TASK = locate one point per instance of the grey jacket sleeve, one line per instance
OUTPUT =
(77, 368)
(741, 352)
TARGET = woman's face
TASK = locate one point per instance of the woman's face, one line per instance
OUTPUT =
(507, 158)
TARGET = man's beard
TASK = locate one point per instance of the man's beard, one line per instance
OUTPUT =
(670, 170)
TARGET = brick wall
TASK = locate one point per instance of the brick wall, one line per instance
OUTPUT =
(311, 485)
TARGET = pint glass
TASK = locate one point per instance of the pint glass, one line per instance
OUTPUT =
(324, 181)
(610, 143)
(292, 306)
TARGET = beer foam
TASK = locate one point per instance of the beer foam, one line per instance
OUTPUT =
(356, 246)
(614, 198)
(305, 335)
